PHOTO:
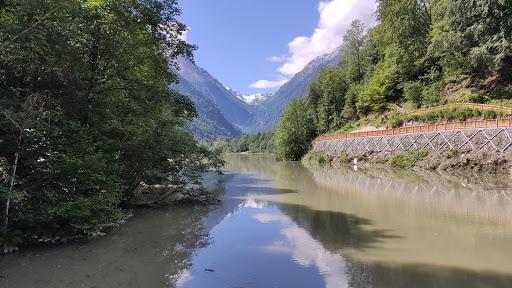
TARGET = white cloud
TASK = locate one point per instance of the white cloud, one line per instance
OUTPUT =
(276, 58)
(335, 19)
(183, 36)
(269, 84)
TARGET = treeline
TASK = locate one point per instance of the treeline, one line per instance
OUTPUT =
(418, 49)
(86, 113)
(253, 143)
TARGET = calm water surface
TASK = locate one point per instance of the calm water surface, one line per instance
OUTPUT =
(286, 225)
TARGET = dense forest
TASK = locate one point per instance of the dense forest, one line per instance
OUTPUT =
(86, 113)
(422, 53)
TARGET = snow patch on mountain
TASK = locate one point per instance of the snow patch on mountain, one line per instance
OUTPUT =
(249, 99)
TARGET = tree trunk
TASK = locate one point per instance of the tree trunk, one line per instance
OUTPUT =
(13, 176)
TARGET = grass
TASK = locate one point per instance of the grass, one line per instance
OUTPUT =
(408, 159)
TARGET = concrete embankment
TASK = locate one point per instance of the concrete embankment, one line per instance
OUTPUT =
(483, 149)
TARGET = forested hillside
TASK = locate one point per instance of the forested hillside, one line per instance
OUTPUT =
(268, 115)
(421, 54)
(86, 113)
(210, 124)
(234, 109)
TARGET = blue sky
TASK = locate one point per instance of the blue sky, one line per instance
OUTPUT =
(254, 46)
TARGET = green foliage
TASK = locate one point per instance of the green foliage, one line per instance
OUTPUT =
(379, 161)
(413, 91)
(409, 159)
(473, 36)
(353, 60)
(421, 53)
(489, 114)
(254, 143)
(343, 158)
(86, 113)
(307, 157)
(295, 131)
(452, 154)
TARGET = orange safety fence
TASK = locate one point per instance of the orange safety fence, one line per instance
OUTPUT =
(507, 110)
(479, 124)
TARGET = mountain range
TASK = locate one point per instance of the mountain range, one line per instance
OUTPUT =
(225, 113)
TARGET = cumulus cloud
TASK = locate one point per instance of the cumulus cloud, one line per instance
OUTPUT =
(276, 58)
(335, 19)
(269, 84)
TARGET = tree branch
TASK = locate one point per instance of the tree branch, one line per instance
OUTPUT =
(41, 20)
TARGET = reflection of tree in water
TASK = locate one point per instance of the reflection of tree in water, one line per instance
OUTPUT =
(260, 163)
(335, 230)
(188, 234)
(292, 175)
(362, 275)
(150, 248)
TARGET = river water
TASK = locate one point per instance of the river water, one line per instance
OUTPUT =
(281, 224)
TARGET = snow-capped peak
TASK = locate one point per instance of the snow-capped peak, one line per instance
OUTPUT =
(249, 99)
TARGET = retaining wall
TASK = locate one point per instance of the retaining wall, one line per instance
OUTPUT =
(493, 139)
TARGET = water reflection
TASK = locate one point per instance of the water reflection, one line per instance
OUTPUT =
(147, 251)
(285, 225)
(336, 230)
(437, 219)
(259, 246)
(306, 251)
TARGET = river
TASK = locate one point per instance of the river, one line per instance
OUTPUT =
(281, 224)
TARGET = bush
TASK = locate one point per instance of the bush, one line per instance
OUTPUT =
(397, 160)
(343, 157)
(452, 154)
(489, 114)
(307, 157)
(408, 160)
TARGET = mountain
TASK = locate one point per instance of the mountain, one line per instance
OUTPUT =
(226, 113)
(236, 110)
(253, 99)
(211, 125)
(266, 118)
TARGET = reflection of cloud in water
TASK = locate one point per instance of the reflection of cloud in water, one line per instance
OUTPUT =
(306, 251)
(183, 278)
(266, 218)
(250, 202)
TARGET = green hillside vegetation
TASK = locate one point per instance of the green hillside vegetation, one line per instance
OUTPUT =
(253, 143)
(421, 54)
(86, 114)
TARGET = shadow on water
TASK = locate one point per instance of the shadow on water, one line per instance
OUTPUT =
(335, 230)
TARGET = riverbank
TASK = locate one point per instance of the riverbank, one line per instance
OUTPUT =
(479, 161)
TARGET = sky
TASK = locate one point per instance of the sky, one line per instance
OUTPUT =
(255, 46)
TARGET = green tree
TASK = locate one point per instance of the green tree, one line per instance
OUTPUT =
(294, 132)
(353, 59)
(86, 113)
(473, 36)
